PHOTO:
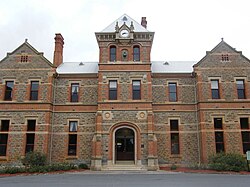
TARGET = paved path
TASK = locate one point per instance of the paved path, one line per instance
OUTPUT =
(126, 179)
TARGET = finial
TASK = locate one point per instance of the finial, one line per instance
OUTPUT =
(222, 39)
(132, 26)
(116, 27)
(26, 40)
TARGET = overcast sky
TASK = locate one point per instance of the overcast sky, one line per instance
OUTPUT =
(184, 29)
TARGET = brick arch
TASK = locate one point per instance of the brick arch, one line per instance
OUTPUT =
(137, 132)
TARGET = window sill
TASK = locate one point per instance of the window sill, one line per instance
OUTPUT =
(175, 156)
(3, 158)
(72, 157)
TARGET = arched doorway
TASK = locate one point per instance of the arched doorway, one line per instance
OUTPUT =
(124, 144)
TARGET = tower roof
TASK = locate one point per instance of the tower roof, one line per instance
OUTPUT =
(127, 20)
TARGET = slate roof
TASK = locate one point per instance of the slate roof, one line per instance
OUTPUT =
(172, 66)
(127, 20)
(157, 67)
(77, 68)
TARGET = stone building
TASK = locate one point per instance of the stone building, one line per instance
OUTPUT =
(124, 111)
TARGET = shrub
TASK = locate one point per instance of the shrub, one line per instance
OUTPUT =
(227, 162)
(83, 166)
(34, 159)
(173, 167)
(12, 170)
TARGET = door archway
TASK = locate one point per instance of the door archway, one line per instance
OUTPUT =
(124, 144)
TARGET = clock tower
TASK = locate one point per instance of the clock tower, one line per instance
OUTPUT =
(124, 120)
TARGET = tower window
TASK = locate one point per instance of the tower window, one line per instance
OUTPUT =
(112, 54)
(136, 53)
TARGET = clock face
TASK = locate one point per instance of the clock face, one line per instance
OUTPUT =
(124, 33)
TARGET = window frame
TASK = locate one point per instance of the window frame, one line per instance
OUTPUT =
(30, 142)
(8, 94)
(72, 147)
(4, 133)
(34, 92)
(241, 92)
(215, 92)
(74, 96)
(136, 93)
(175, 145)
(113, 90)
(136, 54)
(112, 53)
(73, 123)
(217, 143)
(172, 93)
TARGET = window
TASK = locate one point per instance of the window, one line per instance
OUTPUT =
(112, 54)
(9, 90)
(3, 144)
(217, 123)
(5, 125)
(74, 92)
(174, 125)
(224, 58)
(30, 137)
(112, 90)
(4, 136)
(215, 89)
(31, 125)
(175, 148)
(241, 89)
(30, 140)
(34, 90)
(172, 88)
(175, 143)
(244, 123)
(73, 126)
(219, 142)
(24, 58)
(136, 90)
(136, 53)
(245, 141)
(245, 134)
(72, 144)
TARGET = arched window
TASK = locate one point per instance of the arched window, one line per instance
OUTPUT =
(136, 52)
(112, 54)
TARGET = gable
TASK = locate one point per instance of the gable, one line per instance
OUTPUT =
(25, 57)
(223, 55)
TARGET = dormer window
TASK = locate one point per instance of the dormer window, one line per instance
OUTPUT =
(24, 58)
(112, 54)
(224, 58)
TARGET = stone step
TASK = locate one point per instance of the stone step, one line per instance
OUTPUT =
(123, 168)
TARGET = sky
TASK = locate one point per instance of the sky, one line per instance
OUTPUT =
(184, 29)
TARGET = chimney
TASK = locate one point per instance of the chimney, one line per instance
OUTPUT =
(144, 22)
(58, 53)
